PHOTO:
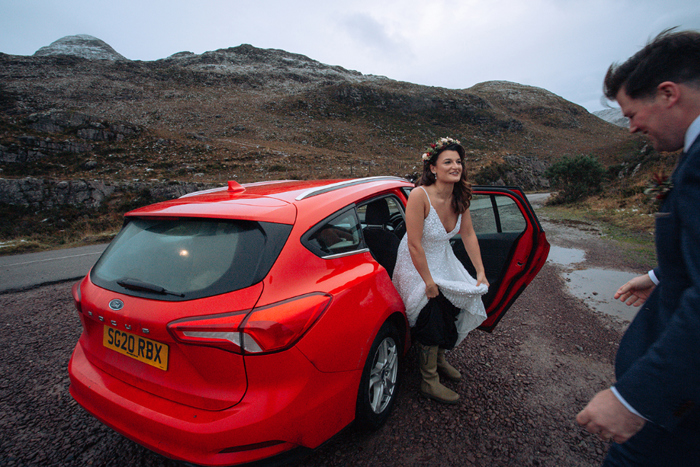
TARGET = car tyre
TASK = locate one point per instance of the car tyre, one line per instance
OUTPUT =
(380, 379)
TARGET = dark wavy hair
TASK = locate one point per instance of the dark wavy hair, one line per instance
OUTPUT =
(671, 56)
(462, 191)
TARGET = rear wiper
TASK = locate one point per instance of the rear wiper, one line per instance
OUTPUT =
(134, 284)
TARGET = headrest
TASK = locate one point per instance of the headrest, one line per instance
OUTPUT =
(377, 213)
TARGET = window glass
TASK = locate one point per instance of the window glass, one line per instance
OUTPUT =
(512, 219)
(393, 207)
(504, 217)
(188, 258)
(339, 235)
(483, 217)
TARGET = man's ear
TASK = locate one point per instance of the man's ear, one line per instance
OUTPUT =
(669, 92)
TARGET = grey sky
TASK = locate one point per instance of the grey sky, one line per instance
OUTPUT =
(564, 46)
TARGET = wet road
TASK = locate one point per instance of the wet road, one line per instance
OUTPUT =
(595, 286)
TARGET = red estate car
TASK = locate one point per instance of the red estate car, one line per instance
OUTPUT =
(236, 324)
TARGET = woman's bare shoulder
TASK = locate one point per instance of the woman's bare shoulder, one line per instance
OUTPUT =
(418, 195)
(417, 192)
(418, 199)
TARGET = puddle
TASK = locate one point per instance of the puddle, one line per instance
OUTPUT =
(596, 287)
(565, 256)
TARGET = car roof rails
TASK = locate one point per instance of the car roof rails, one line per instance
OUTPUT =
(346, 183)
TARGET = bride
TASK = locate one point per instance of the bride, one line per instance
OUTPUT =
(443, 302)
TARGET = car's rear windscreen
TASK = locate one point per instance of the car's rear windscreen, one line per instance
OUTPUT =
(184, 259)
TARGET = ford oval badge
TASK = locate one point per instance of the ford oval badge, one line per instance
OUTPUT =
(116, 304)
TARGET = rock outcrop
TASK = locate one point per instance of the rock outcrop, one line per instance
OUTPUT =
(522, 171)
(526, 172)
(86, 127)
(32, 148)
(90, 194)
(75, 129)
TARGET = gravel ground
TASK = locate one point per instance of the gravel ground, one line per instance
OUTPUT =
(523, 385)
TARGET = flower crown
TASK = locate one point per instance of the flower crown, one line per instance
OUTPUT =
(437, 146)
(660, 186)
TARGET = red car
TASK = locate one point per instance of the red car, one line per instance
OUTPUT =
(239, 323)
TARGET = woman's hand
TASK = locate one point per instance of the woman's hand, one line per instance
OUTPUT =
(481, 279)
(431, 290)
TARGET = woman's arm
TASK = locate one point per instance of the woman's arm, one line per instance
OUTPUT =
(416, 208)
(471, 244)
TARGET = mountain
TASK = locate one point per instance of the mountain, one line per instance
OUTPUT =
(82, 46)
(77, 109)
(613, 116)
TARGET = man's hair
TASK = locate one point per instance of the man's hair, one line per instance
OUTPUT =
(671, 56)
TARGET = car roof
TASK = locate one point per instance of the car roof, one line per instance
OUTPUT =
(272, 201)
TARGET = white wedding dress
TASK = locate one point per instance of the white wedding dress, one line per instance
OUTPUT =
(449, 274)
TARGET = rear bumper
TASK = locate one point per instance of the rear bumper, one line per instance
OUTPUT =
(281, 410)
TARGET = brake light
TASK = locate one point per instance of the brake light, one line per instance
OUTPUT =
(221, 331)
(281, 325)
(77, 297)
(268, 329)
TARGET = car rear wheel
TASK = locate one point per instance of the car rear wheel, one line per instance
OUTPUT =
(380, 379)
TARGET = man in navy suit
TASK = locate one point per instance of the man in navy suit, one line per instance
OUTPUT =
(652, 413)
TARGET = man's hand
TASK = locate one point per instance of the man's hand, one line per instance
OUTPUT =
(636, 290)
(606, 417)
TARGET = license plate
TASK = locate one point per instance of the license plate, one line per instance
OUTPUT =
(144, 350)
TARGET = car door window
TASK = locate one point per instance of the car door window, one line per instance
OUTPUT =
(513, 246)
(391, 219)
(339, 235)
(498, 224)
(496, 214)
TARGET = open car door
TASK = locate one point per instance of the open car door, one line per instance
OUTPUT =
(512, 242)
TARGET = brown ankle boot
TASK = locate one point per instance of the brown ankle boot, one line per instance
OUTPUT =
(447, 370)
(430, 386)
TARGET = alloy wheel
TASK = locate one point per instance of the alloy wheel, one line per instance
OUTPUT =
(382, 381)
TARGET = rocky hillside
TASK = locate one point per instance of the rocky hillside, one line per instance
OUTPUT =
(252, 114)
(613, 116)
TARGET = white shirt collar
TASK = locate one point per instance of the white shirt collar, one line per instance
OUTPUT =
(692, 133)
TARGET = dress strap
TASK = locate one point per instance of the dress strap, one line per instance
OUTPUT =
(426, 194)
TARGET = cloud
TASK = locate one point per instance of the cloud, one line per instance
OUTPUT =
(370, 35)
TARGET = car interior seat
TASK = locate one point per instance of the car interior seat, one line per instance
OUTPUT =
(382, 243)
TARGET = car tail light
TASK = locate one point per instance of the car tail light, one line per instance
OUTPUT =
(223, 331)
(267, 329)
(77, 297)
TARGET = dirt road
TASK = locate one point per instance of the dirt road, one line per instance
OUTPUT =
(524, 384)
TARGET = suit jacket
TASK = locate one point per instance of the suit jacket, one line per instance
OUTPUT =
(658, 361)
